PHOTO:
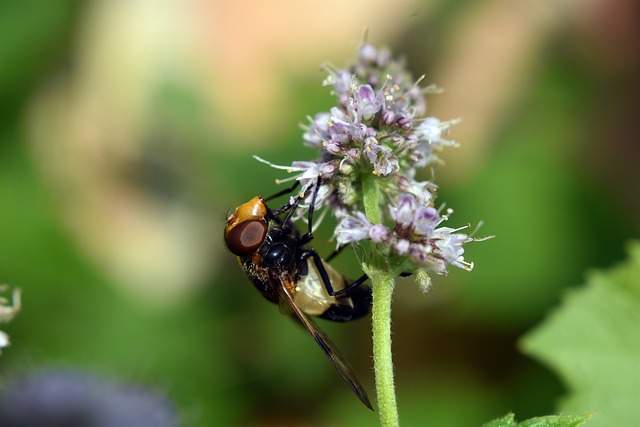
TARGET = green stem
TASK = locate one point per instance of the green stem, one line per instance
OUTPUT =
(382, 277)
(383, 285)
(371, 197)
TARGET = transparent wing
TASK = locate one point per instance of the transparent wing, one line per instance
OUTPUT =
(339, 361)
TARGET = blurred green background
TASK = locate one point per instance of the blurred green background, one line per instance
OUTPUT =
(126, 135)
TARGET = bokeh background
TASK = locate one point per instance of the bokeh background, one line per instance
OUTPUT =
(126, 135)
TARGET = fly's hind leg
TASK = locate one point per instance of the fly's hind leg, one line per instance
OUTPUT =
(361, 305)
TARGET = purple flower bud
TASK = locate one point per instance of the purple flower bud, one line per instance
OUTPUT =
(420, 252)
(410, 142)
(397, 140)
(382, 159)
(404, 211)
(388, 117)
(401, 246)
(404, 122)
(379, 233)
(370, 132)
(366, 102)
(327, 169)
(367, 54)
(318, 131)
(384, 56)
(425, 221)
(358, 132)
(341, 81)
(352, 155)
(333, 147)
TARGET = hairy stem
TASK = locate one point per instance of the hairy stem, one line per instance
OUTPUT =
(383, 285)
(382, 277)
(371, 197)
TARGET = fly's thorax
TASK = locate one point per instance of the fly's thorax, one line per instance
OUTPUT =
(281, 247)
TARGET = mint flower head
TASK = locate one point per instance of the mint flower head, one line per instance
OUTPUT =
(378, 133)
(370, 146)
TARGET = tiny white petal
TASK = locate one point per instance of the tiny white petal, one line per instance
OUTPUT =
(4, 340)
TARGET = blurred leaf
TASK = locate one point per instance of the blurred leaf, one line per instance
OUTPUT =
(548, 421)
(32, 39)
(433, 399)
(549, 223)
(593, 343)
(73, 317)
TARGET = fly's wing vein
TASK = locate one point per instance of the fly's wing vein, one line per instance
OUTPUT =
(339, 362)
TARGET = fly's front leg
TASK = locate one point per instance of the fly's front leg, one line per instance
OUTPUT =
(283, 192)
(309, 236)
(291, 207)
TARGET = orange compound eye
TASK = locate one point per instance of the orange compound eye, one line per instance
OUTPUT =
(246, 237)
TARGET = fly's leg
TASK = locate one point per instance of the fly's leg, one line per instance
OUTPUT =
(325, 276)
(309, 236)
(283, 192)
(291, 207)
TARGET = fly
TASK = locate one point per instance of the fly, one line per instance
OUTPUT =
(286, 271)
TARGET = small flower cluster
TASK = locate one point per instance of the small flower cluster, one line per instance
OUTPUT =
(378, 128)
(416, 234)
(7, 312)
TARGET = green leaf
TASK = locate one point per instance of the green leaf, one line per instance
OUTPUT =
(549, 421)
(593, 342)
